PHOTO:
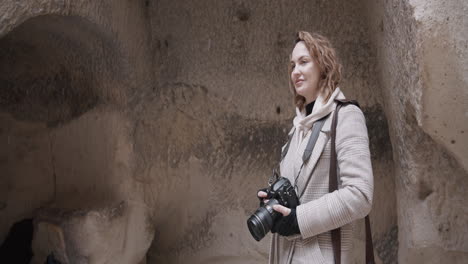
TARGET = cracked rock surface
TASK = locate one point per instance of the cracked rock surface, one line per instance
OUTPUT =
(139, 131)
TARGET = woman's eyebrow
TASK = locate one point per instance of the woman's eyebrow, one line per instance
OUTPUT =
(300, 58)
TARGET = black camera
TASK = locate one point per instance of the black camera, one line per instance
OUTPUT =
(280, 192)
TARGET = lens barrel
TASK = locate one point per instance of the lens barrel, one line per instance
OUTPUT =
(260, 222)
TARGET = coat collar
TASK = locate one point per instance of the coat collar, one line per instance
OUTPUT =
(321, 111)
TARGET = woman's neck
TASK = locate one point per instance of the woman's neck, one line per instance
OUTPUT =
(309, 107)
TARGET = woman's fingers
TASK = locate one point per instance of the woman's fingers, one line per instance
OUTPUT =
(262, 194)
(281, 209)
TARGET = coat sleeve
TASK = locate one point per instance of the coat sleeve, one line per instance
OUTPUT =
(354, 198)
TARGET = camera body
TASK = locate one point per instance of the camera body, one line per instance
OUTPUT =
(283, 191)
(280, 192)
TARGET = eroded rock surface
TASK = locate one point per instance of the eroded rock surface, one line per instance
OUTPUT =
(175, 111)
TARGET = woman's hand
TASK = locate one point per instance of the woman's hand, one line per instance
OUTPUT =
(278, 208)
(287, 225)
(261, 196)
(281, 209)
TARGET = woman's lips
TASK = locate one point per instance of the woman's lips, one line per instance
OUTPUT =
(299, 82)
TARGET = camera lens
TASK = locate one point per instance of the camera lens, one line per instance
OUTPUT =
(262, 220)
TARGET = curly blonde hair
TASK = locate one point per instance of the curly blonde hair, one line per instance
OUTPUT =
(324, 55)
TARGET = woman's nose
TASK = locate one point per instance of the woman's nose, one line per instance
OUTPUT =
(295, 72)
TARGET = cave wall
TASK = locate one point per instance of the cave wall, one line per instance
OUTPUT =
(152, 124)
(421, 54)
(68, 73)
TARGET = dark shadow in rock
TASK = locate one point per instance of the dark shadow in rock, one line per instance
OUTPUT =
(17, 246)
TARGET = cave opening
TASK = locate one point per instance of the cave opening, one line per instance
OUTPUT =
(54, 73)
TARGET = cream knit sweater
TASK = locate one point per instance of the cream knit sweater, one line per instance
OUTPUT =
(321, 211)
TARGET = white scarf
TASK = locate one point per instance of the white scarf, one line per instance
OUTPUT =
(303, 123)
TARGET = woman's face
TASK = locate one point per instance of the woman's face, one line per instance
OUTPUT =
(305, 73)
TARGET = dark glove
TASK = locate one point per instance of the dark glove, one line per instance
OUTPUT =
(287, 225)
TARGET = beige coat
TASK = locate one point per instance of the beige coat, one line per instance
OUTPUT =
(321, 211)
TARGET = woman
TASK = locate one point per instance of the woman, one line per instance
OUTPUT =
(303, 234)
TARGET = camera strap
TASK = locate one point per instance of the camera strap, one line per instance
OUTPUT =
(286, 148)
(316, 128)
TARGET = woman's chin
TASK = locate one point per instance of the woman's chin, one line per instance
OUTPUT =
(302, 91)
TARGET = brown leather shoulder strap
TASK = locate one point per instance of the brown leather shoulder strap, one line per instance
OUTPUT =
(333, 185)
(369, 245)
(347, 101)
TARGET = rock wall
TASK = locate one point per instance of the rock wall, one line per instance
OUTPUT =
(421, 54)
(146, 127)
(67, 72)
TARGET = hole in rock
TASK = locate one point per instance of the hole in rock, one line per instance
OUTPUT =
(16, 248)
(58, 145)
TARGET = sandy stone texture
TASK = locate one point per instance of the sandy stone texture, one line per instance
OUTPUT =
(140, 131)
